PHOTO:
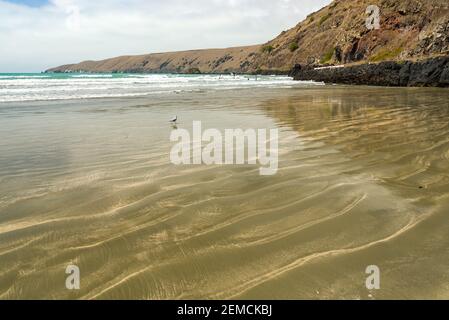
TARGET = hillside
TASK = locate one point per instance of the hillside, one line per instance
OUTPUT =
(209, 60)
(336, 34)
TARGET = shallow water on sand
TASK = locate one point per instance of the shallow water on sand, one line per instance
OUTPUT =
(363, 180)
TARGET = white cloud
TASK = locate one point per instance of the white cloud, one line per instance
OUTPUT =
(66, 31)
(73, 18)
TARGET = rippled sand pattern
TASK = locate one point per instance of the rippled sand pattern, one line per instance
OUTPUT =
(363, 180)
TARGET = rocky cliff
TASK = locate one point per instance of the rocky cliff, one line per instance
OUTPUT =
(432, 72)
(336, 34)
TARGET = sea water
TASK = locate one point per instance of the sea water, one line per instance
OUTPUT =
(63, 86)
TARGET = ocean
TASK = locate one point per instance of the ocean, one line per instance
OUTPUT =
(63, 86)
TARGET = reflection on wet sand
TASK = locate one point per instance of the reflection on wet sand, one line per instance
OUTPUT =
(363, 180)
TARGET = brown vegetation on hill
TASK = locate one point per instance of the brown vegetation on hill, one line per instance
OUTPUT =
(336, 34)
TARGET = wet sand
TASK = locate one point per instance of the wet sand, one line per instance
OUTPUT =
(363, 180)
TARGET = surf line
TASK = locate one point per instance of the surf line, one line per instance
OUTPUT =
(234, 147)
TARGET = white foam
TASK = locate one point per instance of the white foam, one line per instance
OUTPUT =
(81, 86)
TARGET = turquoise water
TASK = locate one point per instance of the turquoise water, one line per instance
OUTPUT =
(77, 75)
(17, 87)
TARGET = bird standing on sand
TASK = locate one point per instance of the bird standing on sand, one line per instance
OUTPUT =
(174, 120)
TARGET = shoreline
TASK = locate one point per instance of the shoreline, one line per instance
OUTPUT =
(431, 72)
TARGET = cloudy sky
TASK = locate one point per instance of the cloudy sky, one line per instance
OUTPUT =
(38, 34)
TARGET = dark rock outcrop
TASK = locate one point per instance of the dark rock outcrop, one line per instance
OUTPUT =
(193, 71)
(432, 72)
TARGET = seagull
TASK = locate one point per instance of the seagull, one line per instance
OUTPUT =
(174, 120)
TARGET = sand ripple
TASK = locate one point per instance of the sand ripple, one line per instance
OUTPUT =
(363, 180)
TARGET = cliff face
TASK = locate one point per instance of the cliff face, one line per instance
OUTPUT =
(337, 34)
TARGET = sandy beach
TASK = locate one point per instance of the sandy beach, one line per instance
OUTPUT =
(363, 179)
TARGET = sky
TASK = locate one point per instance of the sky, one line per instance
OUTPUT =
(38, 34)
